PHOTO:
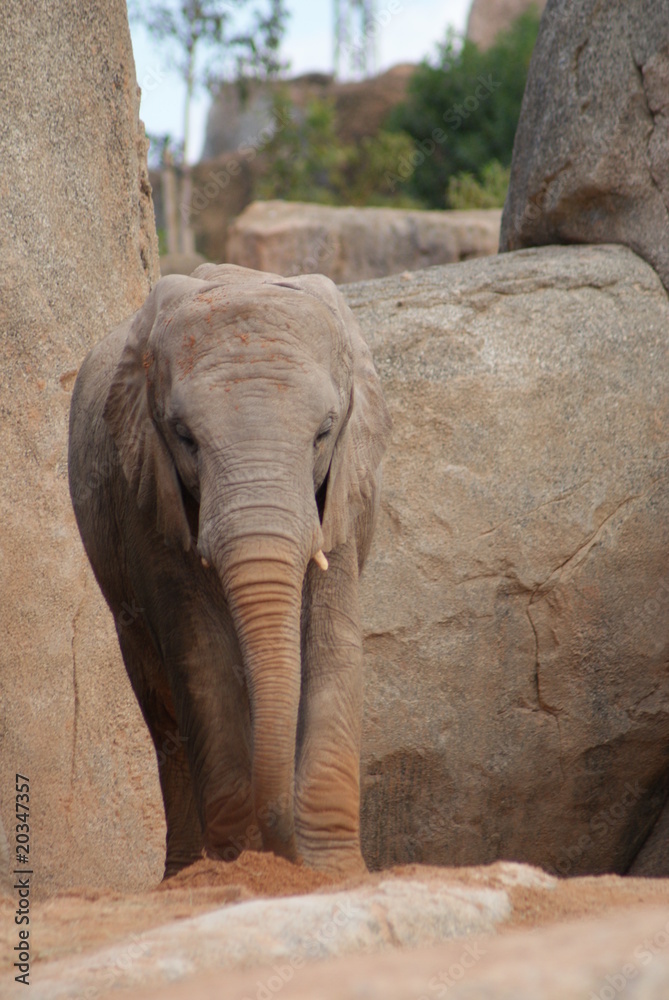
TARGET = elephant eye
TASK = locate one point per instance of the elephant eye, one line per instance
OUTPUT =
(323, 432)
(185, 436)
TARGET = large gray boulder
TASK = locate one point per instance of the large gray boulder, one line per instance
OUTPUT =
(591, 150)
(355, 244)
(78, 253)
(515, 601)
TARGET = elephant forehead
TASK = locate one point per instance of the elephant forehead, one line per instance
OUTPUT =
(283, 339)
(259, 317)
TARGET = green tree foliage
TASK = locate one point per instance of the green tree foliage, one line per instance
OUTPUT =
(368, 179)
(465, 191)
(470, 102)
(306, 161)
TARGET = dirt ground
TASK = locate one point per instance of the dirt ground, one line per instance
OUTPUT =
(83, 919)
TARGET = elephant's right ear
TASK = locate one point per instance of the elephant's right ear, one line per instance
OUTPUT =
(145, 458)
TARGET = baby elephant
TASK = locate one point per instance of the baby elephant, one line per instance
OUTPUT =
(224, 458)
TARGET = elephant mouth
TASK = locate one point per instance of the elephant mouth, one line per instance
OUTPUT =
(191, 506)
(320, 496)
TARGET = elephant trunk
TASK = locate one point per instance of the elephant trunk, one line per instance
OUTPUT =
(261, 560)
(264, 594)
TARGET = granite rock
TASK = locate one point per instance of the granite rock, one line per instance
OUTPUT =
(78, 253)
(515, 600)
(590, 153)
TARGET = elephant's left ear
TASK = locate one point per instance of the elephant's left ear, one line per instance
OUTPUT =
(353, 477)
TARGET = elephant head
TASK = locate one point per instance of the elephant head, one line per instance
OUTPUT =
(249, 423)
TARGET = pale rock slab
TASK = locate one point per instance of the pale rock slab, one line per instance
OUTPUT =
(356, 244)
(597, 959)
(287, 932)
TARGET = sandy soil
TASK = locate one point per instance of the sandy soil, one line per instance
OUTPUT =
(83, 919)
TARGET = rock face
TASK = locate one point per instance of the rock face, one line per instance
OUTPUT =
(515, 601)
(361, 107)
(591, 150)
(488, 17)
(77, 253)
(351, 244)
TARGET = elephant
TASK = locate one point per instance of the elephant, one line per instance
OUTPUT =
(224, 466)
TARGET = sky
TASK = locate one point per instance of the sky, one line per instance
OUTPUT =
(408, 30)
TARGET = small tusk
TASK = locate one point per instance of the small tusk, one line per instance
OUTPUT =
(205, 563)
(320, 560)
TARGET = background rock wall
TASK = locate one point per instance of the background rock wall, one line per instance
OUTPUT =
(77, 254)
(488, 17)
(360, 105)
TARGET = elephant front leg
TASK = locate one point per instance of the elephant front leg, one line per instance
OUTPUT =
(213, 713)
(327, 794)
(210, 772)
(184, 841)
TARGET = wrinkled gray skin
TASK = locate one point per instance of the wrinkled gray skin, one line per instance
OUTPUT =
(220, 438)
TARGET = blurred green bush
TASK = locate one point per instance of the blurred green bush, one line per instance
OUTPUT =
(306, 161)
(471, 98)
(465, 191)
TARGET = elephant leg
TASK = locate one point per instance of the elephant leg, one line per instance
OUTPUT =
(209, 691)
(184, 832)
(327, 794)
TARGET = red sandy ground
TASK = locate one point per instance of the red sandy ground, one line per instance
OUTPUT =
(83, 919)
